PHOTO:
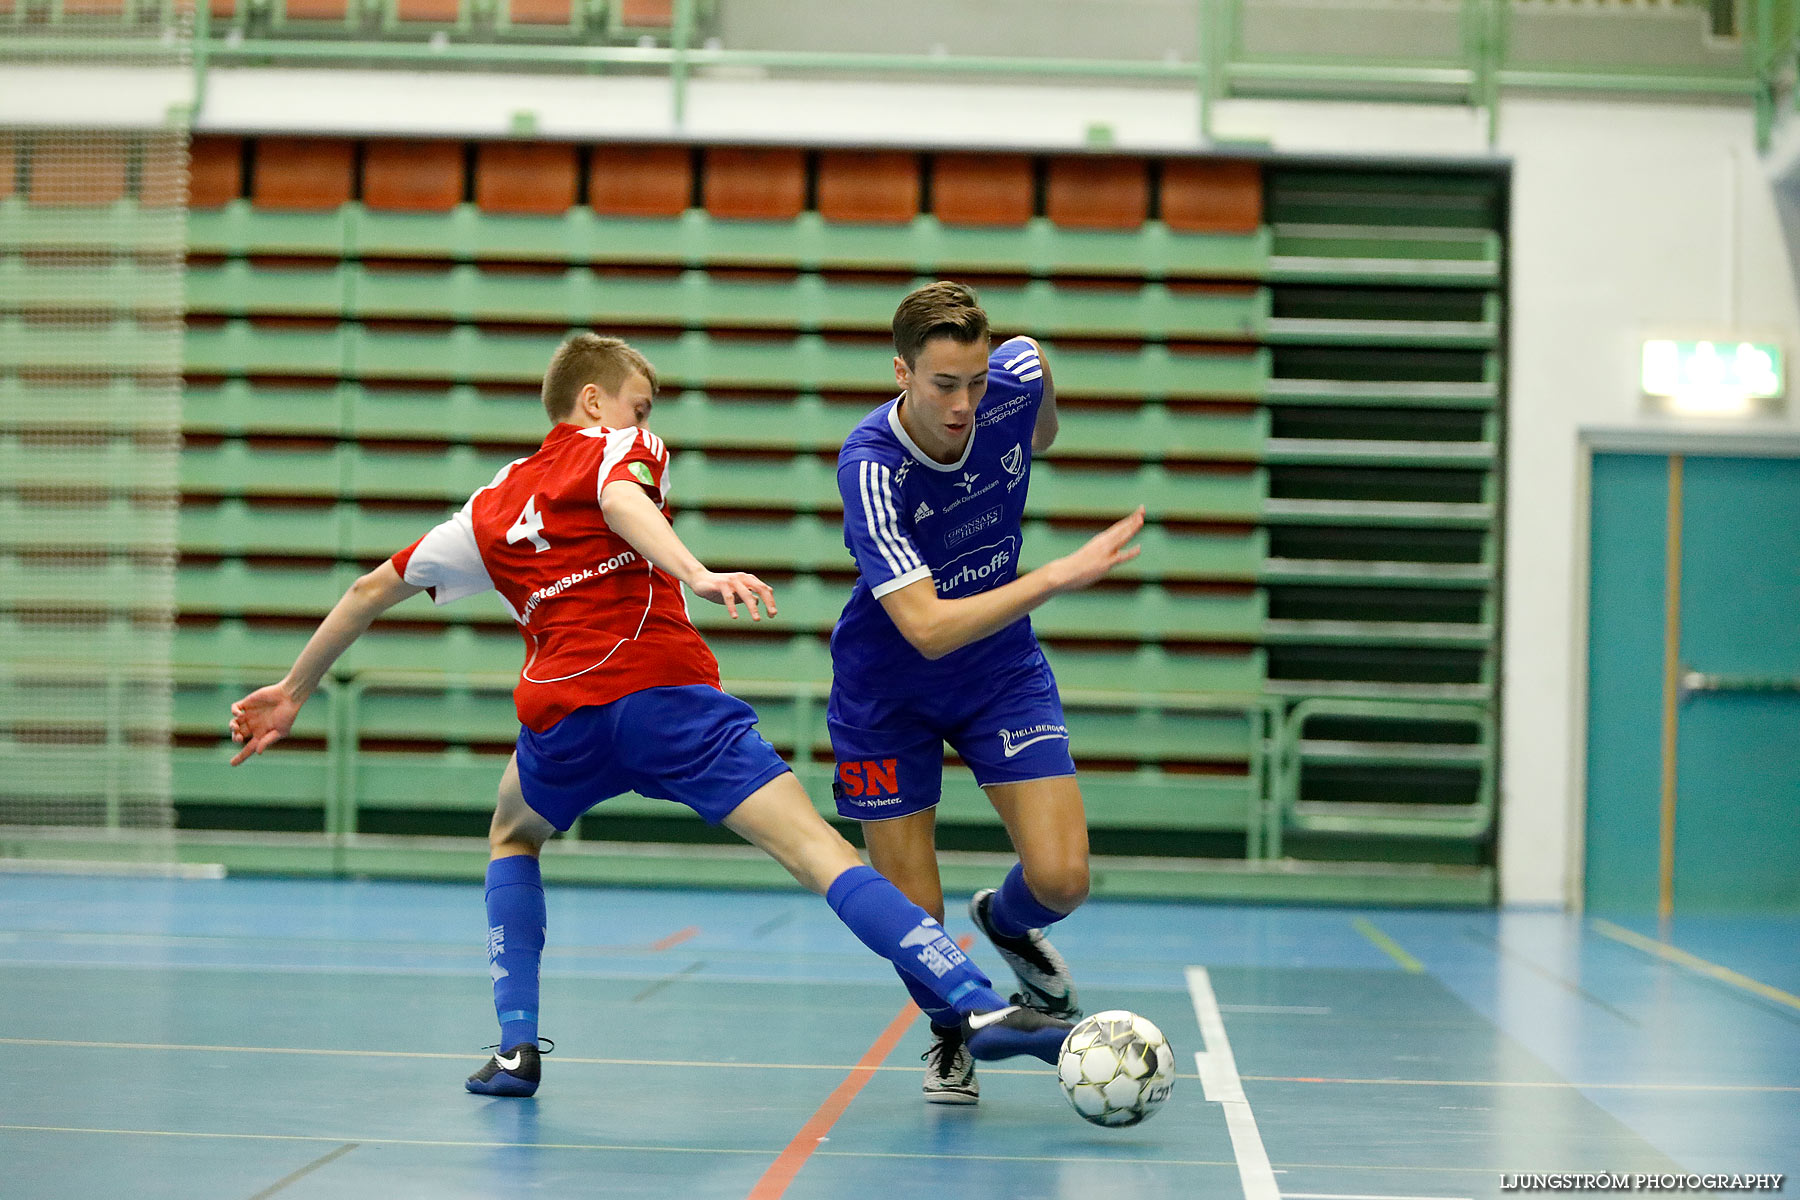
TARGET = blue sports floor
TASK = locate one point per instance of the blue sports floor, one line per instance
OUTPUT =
(252, 1038)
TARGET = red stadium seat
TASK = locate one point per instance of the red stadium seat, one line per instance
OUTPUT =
(306, 174)
(869, 185)
(532, 178)
(223, 8)
(540, 12)
(1098, 193)
(89, 173)
(94, 8)
(9, 167)
(413, 176)
(755, 183)
(315, 10)
(640, 181)
(215, 171)
(434, 12)
(646, 14)
(981, 189)
(1212, 196)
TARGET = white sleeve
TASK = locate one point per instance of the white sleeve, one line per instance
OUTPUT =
(446, 561)
(875, 531)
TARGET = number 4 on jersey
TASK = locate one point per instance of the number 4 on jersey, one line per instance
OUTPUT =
(529, 527)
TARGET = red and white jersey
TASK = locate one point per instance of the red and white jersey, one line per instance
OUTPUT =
(599, 621)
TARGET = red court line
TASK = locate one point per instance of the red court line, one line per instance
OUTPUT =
(781, 1172)
(676, 938)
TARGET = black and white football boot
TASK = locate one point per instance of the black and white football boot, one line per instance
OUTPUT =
(949, 1068)
(513, 1072)
(1045, 984)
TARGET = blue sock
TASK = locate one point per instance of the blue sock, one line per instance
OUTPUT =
(1014, 910)
(515, 944)
(935, 1010)
(885, 921)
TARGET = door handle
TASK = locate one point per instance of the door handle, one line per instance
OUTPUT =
(1692, 681)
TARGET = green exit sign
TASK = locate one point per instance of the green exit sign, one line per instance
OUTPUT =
(1715, 378)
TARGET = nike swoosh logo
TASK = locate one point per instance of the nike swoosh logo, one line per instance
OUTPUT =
(983, 1020)
(510, 1064)
(1011, 747)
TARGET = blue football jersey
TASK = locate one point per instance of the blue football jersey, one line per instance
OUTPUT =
(908, 517)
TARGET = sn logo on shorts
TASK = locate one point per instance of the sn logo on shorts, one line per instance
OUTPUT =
(868, 783)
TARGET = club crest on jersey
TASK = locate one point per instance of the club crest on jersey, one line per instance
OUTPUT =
(1014, 462)
(924, 510)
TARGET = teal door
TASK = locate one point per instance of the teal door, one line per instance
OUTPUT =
(1736, 843)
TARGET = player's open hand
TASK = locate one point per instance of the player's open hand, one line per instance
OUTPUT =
(733, 588)
(1103, 552)
(261, 719)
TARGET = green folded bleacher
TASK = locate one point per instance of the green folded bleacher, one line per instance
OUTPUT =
(1303, 393)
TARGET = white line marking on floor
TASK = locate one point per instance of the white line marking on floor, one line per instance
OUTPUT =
(1219, 1079)
(1359, 1196)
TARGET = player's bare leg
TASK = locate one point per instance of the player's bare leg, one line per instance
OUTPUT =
(779, 820)
(905, 850)
(1048, 827)
(1047, 823)
(516, 827)
(516, 923)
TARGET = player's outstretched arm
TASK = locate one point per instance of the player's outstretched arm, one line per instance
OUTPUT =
(634, 516)
(266, 715)
(936, 626)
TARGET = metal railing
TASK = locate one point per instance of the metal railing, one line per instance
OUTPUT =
(1475, 74)
(341, 694)
(1278, 749)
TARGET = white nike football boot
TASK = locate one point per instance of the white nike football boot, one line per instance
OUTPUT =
(1044, 980)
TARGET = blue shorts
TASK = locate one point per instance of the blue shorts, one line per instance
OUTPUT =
(694, 744)
(1009, 728)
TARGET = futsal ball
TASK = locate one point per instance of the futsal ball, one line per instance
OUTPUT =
(1116, 1067)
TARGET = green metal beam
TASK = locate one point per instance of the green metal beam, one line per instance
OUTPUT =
(638, 864)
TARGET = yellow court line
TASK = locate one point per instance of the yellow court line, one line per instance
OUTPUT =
(303, 1172)
(1694, 963)
(1388, 945)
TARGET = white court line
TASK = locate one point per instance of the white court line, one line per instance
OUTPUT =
(82, 866)
(1359, 1196)
(1219, 1079)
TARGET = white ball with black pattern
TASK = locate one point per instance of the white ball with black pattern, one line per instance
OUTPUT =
(1116, 1068)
